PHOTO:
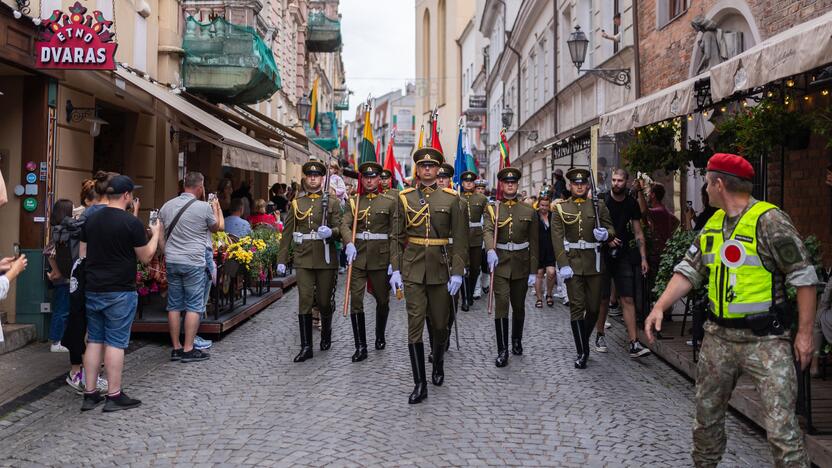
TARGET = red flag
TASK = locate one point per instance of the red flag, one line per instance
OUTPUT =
(504, 161)
(378, 152)
(434, 135)
(393, 166)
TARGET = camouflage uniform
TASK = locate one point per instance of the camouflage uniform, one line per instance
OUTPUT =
(727, 353)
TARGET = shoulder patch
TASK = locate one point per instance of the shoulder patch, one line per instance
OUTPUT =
(786, 248)
(450, 190)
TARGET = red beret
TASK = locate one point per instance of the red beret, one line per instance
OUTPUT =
(731, 164)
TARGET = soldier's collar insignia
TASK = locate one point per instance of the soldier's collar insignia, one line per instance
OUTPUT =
(313, 195)
(371, 195)
(579, 200)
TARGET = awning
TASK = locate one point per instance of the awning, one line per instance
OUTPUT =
(799, 49)
(238, 149)
(675, 101)
(295, 153)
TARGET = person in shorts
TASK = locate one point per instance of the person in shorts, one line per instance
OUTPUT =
(188, 222)
(115, 240)
(622, 260)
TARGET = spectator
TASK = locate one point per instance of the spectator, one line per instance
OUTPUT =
(546, 256)
(662, 222)
(615, 38)
(278, 197)
(224, 190)
(707, 211)
(260, 216)
(59, 276)
(188, 224)
(4, 195)
(337, 186)
(234, 223)
(10, 268)
(559, 191)
(244, 191)
(623, 255)
(99, 199)
(115, 240)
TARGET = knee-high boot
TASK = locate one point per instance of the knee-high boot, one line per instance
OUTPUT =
(381, 326)
(326, 332)
(417, 365)
(501, 327)
(517, 335)
(359, 334)
(305, 327)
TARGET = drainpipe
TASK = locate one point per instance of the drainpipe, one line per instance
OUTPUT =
(555, 17)
(509, 47)
(636, 54)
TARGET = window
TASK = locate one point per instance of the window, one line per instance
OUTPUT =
(426, 60)
(668, 10)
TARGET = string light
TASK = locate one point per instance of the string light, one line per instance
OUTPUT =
(723, 109)
(790, 83)
(825, 92)
(770, 94)
(805, 98)
(690, 117)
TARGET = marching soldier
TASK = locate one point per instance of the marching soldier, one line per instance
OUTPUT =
(748, 253)
(473, 205)
(443, 178)
(480, 186)
(432, 264)
(387, 182)
(513, 259)
(577, 242)
(315, 257)
(378, 243)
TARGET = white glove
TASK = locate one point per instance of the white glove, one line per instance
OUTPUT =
(281, 269)
(492, 259)
(350, 252)
(324, 232)
(389, 270)
(566, 272)
(532, 279)
(396, 281)
(454, 284)
(601, 234)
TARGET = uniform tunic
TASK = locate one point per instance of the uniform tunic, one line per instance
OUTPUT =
(473, 206)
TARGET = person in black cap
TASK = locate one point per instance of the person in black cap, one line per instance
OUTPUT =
(315, 257)
(386, 183)
(577, 239)
(473, 205)
(371, 250)
(443, 178)
(436, 232)
(513, 261)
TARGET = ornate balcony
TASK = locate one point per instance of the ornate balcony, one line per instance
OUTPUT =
(323, 34)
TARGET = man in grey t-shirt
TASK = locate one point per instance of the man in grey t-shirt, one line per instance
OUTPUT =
(184, 244)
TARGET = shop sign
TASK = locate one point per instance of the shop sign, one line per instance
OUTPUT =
(76, 41)
(30, 204)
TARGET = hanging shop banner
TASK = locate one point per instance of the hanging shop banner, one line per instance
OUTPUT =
(76, 41)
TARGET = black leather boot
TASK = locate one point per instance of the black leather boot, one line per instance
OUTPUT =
(326, 332)
(517, 336)
(417, 365)
(501, 328)
(381, 326)
(587, 328)
(305, 326)
(580, 341)
(430, 338)
(438, 375)
(359, 334)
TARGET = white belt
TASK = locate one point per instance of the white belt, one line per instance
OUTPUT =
(301, 238)
(512, 247)
(366, 235)
(581, 245)
(475, 225)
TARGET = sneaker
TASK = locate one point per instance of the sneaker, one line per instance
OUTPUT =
(202, 343)
(607, 324)
(601, 343)
(120, 402)
(176, 354)
(615, 310)
(76, 381)
(194, 355)
(91, 400)
(58, 348)
(638, 350)
(101, 384)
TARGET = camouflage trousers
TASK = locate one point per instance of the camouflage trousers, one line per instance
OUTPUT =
(726, 354)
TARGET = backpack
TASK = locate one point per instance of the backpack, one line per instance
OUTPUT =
(67, 239)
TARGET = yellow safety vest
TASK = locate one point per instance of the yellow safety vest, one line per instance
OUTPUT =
(737, 286)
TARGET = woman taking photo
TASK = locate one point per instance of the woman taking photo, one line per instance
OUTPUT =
(546, 256)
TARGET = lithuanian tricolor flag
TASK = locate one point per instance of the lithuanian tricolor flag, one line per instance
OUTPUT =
(366, 149)
(313, 109)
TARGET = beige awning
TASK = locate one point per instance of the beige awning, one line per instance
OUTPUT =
(674, 101)
(238, 149)
(799, 49)
(295, 153)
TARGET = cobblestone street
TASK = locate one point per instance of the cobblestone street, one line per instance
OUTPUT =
(249, 404)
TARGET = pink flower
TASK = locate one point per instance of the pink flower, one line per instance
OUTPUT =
(143, 292)
(154, 288)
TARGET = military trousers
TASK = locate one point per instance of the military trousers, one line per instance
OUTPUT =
(380, 290)
(474, 263)
(510, 292)
(725, 355)
(316, 287)
(427, 300)
(584, 293)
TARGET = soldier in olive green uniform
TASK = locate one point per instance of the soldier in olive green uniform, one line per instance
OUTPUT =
(386, 184)
(513, 259)
(577, 239)
(443, 178)
(314, 243)
(432, 264)
(377, 246)
(473, 205)
(443, 181)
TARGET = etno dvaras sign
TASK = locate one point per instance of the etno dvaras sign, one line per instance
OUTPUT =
(76, 41)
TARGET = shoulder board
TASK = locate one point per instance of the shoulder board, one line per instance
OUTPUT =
(450, 190)
(407, 190)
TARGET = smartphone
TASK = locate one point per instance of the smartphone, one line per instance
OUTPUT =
(154, 217)
(16, 250)
(211, 197)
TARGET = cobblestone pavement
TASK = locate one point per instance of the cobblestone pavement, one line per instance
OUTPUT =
(249, 404)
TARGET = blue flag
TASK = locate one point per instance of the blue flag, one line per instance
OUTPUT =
(460, 163)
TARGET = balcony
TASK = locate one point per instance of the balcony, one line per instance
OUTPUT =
(323, 34)
(328, 136)
(227, 63)
(342, 99)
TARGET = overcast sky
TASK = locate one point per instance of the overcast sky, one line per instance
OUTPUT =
(379, 49)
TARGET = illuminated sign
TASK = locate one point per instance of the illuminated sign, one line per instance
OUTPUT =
(76, 41)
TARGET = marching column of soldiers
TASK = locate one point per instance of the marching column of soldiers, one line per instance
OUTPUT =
(429, 242)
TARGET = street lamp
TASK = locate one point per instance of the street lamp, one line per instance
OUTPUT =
(304, 107)
(578, 45)
(508, 116)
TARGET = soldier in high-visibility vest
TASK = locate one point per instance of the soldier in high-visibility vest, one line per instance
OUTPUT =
(747, 254)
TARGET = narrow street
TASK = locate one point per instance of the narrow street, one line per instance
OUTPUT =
(249, 404)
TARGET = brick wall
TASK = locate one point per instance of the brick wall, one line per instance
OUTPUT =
(665, 53)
